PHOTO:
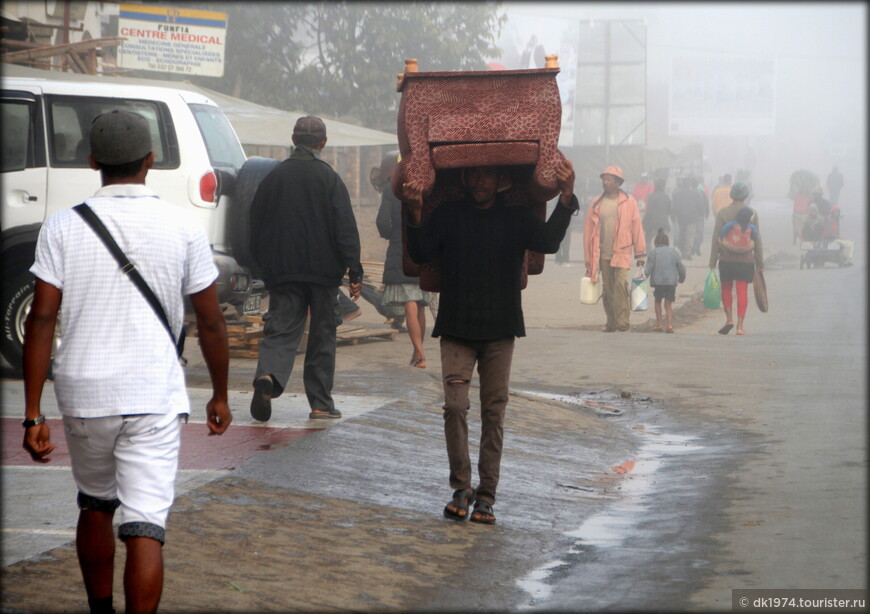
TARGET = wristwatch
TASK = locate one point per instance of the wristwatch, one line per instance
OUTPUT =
(29, 423)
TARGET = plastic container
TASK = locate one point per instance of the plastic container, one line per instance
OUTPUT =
(590, 291)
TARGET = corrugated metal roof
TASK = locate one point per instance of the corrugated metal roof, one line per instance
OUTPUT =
(264, 125)
(255, 124)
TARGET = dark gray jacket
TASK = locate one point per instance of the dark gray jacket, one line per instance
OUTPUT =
(389, 223)
(302, 224)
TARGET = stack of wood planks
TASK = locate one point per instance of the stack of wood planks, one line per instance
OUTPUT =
(244, 335)
(244, 332)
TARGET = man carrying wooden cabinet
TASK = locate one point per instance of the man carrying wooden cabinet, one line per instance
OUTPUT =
(481, 244)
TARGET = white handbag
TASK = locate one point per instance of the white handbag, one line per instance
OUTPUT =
(639, 291)
(590, 291)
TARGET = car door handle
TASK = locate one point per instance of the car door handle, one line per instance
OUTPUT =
(30, 198)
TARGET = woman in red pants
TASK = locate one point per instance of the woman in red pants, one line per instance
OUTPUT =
(738, 250)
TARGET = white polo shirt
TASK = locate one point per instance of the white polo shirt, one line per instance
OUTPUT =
(115, 356)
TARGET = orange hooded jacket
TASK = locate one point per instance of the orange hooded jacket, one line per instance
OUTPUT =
(629, 233)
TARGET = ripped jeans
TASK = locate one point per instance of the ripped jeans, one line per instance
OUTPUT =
(493, 358)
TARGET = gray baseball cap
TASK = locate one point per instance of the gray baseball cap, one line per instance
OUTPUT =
(310, 124)
(119, 137)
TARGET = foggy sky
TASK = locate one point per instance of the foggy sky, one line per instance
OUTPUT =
(820, 55)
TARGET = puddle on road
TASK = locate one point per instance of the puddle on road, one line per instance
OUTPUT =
(605, 403)
(612, 527)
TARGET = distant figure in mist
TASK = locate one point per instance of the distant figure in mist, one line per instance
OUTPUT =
(736, 266)
(835, 184)
(814, 226)
(658, 209)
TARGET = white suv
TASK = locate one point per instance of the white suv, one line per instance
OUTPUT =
(45, 124)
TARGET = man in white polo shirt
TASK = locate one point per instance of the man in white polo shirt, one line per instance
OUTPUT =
(117, 379)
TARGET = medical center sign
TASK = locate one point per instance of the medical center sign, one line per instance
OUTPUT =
(173, 40)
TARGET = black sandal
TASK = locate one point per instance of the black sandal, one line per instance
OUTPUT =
(482, 509)
(461, 500)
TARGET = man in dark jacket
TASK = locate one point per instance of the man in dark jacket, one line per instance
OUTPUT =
(481, 244)
(304, 239)
(685, 212)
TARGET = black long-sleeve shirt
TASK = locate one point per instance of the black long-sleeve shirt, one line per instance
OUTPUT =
(481, 257)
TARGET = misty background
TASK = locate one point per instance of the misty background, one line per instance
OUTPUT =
(705, 88)
(818, 51)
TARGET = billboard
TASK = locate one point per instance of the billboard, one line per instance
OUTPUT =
(174, 40)
(524, 42)
(722, 96)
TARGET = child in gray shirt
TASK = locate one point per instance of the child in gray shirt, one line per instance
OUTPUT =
(665, 270)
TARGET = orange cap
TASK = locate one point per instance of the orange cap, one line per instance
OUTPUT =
(615, 171)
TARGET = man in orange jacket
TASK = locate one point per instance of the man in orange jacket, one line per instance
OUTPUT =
(611, 231)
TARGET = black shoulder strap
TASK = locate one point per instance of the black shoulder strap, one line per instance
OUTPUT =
(127, 268)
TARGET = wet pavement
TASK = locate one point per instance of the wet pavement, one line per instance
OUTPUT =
(640, 471)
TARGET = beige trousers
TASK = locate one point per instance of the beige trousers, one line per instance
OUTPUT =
(615, 296)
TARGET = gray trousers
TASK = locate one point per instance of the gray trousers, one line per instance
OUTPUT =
(289, 306)
(493, 358)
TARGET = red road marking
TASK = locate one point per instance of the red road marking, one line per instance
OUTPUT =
(625, 467)
(198, 450)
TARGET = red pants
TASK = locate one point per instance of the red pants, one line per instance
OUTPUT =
(742, 296)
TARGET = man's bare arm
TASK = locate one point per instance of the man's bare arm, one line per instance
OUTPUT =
(212, 328)
(38, 341)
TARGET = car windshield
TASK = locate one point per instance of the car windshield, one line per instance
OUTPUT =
(224, 149)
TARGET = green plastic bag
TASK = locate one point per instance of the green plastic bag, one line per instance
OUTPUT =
(712, 291)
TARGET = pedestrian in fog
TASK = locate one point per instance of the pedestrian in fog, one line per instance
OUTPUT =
(642, 191)
(304, 239)
(481, 244)
(611, 232)
(702, 207)
(721, 197)
(563, 256)
(823, 205)
(739, 253)
(119, 385)
(657, 211)
(686, 210)
(665, 269)
(835, 183)
(814, 226)
(400, 289)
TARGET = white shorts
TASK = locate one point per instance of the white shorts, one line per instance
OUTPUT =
(127, 462)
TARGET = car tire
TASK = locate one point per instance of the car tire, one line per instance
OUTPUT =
(248, 180)
(18, 289)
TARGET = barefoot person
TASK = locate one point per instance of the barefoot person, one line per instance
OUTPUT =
(665, 270)
(400, 289)
(481, 244)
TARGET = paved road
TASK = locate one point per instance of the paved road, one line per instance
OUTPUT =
(641, 470)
